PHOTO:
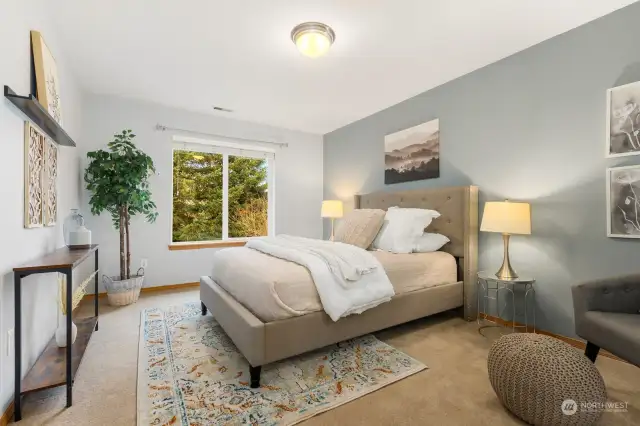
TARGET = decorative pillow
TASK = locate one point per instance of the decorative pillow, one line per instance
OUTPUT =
(402, 228)
(428, 243)
(359, 227)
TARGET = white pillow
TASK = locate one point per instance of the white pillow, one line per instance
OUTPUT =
(428, 243)
(402, 228)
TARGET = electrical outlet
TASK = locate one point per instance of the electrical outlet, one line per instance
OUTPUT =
(144, 263)
(10, 334)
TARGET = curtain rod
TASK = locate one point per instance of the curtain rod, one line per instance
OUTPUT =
(163, 128)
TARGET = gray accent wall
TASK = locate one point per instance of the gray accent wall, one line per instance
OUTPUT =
(530, 127)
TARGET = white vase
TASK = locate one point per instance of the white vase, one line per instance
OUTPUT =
(61, 333)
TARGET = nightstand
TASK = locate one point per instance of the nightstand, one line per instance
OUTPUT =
(523, 285)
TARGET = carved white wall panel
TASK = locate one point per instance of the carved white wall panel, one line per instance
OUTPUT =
(33, 183)
(50, 197)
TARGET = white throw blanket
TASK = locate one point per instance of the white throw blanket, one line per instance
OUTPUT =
(349, 280)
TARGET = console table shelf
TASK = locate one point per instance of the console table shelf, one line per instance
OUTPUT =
(55, 366)
(60, 258)
(49, 371)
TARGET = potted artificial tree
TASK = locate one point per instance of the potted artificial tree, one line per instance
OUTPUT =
(118, 180)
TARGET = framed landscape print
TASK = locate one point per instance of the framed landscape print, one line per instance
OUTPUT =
(47, 82)
(623, 204)
(413, 154)
(623, 120)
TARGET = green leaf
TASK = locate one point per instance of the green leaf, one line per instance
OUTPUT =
(118, 178)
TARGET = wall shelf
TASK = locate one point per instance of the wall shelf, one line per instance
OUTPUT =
(30, 106)
(50, 369)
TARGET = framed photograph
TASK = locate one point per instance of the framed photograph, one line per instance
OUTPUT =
(413, 154)
(623, 120)
(623, 203)
(47, 82)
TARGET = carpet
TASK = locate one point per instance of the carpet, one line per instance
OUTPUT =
(190, 373)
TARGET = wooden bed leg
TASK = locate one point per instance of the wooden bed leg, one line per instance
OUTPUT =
(204, 308)
(254, 372)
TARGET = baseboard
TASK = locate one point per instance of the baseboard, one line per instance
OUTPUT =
(7, 416)
(529, 329)
(170, 287)
(148, 290)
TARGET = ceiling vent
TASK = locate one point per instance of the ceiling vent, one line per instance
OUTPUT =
(217, 108)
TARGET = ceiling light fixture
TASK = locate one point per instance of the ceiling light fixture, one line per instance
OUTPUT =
(313, 39)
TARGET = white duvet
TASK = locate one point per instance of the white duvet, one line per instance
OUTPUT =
(349, 280)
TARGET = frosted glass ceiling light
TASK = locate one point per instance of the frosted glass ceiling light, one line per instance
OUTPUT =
(313, 39)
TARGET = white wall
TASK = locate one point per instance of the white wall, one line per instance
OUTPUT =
(91, 121)
(299, 183)
(19, 245)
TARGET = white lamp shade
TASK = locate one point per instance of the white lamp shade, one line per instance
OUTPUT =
(332, 208)
(506, 217)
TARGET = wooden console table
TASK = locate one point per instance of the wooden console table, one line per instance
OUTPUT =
(55, 366)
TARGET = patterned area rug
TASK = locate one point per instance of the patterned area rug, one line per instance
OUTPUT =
(190, 373)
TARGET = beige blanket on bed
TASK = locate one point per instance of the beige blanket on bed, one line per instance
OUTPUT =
(276, 289)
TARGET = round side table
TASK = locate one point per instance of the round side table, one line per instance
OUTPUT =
(488, 282)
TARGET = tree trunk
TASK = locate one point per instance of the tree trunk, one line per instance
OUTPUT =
(126, 224)
(122, 256)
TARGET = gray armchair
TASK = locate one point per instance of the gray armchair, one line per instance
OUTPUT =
(607, 315)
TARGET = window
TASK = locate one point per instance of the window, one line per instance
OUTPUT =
(221, 192)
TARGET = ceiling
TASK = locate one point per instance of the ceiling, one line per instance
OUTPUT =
(194, 54)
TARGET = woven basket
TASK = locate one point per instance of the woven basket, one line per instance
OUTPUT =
(535, 376)
(123, 292)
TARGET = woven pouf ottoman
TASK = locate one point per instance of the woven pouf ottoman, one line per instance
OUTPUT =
(545, 381)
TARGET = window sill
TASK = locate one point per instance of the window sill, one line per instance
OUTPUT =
(206, 245)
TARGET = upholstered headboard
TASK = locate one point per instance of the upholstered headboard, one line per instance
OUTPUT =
(458, 207)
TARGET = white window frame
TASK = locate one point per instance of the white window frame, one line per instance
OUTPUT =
(187, 143)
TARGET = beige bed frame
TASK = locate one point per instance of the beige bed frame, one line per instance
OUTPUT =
(262, 343)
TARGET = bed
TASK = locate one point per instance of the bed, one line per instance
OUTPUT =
(274, 289)
(273, 331)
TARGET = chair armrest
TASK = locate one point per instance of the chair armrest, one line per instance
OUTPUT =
(620, 294)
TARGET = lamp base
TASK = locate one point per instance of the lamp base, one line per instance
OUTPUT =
(332, 234)
(506, 272)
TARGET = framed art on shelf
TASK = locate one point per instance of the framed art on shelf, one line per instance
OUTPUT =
(47, 82)
(623, 120)
(623, 203)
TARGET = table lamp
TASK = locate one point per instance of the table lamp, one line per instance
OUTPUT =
(332, 209)
(507, 218)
